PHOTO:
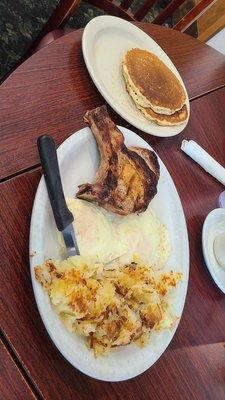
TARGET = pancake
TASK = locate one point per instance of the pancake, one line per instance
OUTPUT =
(151, 83)
(178, 118)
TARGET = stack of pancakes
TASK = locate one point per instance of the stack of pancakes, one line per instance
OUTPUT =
(154, 88)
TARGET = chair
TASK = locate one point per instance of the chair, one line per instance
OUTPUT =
(65, 9)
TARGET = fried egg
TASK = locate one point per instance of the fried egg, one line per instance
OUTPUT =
(106, 237)
(95, 232)
(145, 238)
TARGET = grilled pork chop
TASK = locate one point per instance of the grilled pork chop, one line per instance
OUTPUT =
(126, 180)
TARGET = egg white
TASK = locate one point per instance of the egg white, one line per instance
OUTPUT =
(145, 238)
(95, 233)
(116, 240)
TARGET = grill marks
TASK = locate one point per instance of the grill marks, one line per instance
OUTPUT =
(127, 178)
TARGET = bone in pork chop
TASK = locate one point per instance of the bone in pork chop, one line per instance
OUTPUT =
(127, 179)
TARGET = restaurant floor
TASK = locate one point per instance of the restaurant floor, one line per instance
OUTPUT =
(21, 22)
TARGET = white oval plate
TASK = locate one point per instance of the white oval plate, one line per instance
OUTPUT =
(105, 41)
(214, 224)
(78, 161)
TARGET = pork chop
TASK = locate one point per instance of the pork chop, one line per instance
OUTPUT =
(127, 179)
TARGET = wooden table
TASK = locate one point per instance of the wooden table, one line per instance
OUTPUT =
(12, 382)
(49, 94)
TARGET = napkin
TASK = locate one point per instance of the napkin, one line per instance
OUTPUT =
(198, 154)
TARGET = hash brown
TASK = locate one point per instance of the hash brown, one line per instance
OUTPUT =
(109, 308)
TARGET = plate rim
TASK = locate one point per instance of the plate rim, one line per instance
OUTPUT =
(32, 264)
(103, 92)
(218, 283)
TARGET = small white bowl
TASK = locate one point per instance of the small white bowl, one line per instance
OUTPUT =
(213, 226)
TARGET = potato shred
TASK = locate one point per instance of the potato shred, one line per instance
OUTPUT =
(108, 307)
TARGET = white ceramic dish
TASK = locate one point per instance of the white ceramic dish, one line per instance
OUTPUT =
(78, 161)
(214, 225)
(105, 40)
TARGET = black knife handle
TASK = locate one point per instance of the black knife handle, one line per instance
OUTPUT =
(50, 166)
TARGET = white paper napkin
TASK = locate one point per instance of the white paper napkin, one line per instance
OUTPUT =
(198, 154)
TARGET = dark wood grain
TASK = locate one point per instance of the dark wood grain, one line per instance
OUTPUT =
(193, 366)
(168, 11)
(13, 386)
(65, 9)
(60, 15)
(126, 4)
(113, 8)
(51, 91)
(188, 19)
(143, 10)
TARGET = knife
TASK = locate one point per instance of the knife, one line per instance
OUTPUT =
(63, 217)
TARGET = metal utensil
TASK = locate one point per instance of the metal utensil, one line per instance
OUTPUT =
(63, 217)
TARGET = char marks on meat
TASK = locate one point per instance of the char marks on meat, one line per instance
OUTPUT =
(127, 178)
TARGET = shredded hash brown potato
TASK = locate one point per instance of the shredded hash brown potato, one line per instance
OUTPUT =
(109, 307)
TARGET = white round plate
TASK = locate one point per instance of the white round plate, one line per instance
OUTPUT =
(214, 225)
(78, 161)
(105, 41)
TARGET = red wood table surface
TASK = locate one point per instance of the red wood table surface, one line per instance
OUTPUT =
(194, 364)
(13, 385)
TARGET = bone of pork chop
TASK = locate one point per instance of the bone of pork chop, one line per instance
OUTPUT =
(127, 178)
